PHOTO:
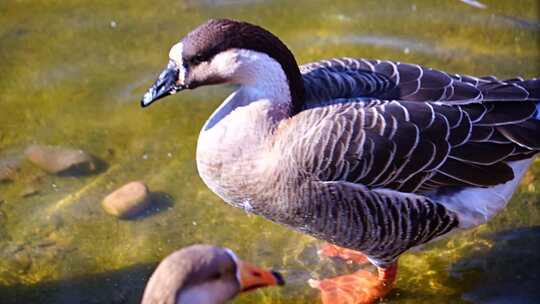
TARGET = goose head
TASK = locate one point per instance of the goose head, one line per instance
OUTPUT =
(205, 274)
(227, 51)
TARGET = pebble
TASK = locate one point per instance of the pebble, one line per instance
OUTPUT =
(8, 170)
(55, 159)
(128, 200)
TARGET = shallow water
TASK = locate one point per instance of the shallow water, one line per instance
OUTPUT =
(72, 74)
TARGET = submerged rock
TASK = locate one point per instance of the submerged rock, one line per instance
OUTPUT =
(8, 170)
(56, 160)
(128, 200)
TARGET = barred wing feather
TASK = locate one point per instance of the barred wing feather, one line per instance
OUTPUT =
(383, 145)
(388, 80)
(415, 146)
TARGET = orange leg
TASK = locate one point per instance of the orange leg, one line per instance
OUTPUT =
(361, 287)
(348, 255)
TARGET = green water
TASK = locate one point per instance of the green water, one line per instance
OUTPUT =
(72, 74)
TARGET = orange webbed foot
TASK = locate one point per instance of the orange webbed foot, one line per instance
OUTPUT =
(348, 255)
(361, 287)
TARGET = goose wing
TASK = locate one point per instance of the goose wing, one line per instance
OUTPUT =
(369, 166)
(377, 139)
(341, 78)
(416, 147)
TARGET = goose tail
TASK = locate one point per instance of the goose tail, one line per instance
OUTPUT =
(475, 206)
(525, 133)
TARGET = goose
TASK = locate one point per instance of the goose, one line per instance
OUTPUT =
(204, 274)
(372, 156)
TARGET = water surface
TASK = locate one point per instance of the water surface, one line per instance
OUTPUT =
(72, 74)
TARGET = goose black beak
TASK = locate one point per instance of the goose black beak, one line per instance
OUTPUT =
(253, 277)
(166, 84)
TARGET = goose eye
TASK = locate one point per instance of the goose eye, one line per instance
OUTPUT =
(197, 59)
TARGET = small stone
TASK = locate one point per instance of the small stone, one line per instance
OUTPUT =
(128, 200)
(57, 160)
(8, 170)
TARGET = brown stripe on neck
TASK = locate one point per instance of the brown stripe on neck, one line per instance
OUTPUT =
(216, 36)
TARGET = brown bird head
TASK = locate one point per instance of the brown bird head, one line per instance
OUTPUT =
(205, 274)
(223, 51)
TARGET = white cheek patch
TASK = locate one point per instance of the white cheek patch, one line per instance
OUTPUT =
(175, 54)
(224, 60)
(227, 63)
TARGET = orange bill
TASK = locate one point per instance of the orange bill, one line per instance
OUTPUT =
(253, 277)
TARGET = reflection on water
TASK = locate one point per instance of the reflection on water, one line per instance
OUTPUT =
(72, 75)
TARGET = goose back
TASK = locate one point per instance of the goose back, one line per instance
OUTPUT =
(382, 176)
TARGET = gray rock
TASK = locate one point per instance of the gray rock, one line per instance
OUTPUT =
(128, 200)
(56, 160)
(8, 170)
